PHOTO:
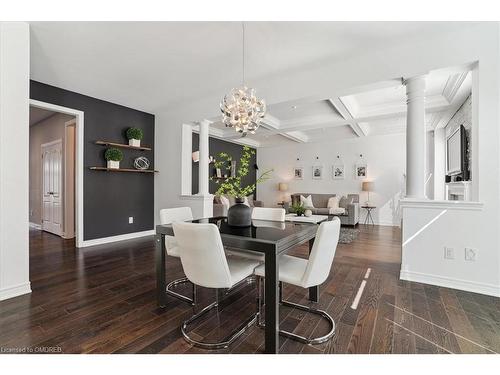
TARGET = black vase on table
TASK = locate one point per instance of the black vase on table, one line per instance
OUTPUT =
(239, 215)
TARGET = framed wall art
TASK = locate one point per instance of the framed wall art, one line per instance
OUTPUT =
(317, 172)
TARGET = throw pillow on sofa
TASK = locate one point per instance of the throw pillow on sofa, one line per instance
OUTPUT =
(333, 202)
(307, 201)
(333, 207)
(344, 202)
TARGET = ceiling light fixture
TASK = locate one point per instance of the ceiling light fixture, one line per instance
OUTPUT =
(241, 109)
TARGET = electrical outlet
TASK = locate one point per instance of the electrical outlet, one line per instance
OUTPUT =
(131, 220)
(470, 254)
(449, 253)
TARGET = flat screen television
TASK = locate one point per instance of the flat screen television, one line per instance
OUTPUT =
(456, 154)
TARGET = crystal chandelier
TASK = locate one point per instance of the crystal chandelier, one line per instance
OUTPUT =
(241, 109)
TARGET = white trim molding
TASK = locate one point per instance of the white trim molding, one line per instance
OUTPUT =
(14, 291)
(79, 121)
(447, 205)
(121, 237)
(449, 282)
(35, 226)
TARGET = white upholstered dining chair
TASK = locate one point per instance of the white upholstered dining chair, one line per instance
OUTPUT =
(205, 264)
(307, 273)
(168, 216)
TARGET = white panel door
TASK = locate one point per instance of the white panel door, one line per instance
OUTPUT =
(52, 187)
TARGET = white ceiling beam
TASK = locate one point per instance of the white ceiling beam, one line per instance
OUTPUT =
(305, 126)
(245, 141)
(269, 121)
(344, 111)
(452, 85)
(452, 70)
(297, 136)
(458, 99)
(227, 135)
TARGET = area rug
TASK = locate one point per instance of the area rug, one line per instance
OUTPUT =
(347, 235)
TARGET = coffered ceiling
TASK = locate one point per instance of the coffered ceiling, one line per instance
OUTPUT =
(378, 109)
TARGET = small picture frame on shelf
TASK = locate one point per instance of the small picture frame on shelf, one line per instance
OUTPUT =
(317, 172)
(361, 171)
(338, 171)
(298, 173)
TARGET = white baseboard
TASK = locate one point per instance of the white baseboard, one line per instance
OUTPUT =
(382, 223)
(35, 226)
(449, 282)
(386, 223)
(14, 291)
(121, 237)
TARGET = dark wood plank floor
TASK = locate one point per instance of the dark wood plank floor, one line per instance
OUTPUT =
(102, 300)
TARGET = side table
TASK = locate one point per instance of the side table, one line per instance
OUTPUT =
(368, 216)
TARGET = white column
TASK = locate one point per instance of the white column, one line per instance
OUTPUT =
(415, 137)
(186, 159)
(14, 151)
(204, 157)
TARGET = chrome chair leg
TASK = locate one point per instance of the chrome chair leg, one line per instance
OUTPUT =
(293, 336)
(182, 297)
(305, 340)
(221, 344)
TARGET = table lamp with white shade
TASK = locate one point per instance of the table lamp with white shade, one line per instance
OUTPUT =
(283, 187)
(367, 186)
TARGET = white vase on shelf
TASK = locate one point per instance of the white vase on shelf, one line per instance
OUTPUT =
(134, 142)
(113, 164)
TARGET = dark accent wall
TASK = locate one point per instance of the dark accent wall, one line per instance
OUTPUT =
(215, 146)
(109, 197)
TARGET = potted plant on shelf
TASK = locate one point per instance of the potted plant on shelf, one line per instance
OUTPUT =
(240, 214)
(134, 136)
(113, 156)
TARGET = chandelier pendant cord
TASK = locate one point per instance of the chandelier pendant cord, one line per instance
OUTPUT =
(241, 108)
(243, 51)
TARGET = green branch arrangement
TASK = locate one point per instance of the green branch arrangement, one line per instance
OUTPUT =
(232, 185)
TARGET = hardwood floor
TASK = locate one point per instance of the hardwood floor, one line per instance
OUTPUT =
(102, 300)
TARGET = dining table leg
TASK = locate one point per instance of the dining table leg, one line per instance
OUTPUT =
(313, 291)
(161, 284)
(272, 303)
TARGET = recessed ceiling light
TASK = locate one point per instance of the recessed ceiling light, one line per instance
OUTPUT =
(294, 107)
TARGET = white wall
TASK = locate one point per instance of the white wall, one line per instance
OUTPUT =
(430, 227)
(412, 57)
(14, 138)
(384, 155)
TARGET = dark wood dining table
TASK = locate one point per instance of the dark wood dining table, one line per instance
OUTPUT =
(271, 238)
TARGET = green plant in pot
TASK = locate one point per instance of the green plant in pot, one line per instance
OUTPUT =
(239, 214)
(298, 208)
(135, 136)
(113, 156)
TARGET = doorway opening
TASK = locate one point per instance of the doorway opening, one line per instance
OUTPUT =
(55, 171)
